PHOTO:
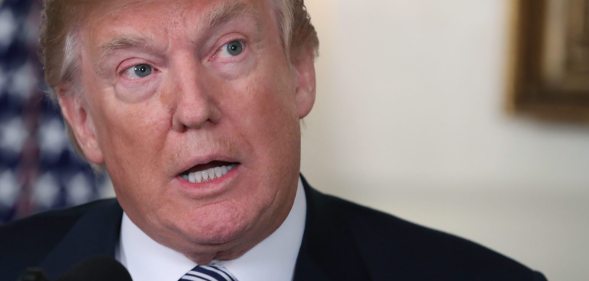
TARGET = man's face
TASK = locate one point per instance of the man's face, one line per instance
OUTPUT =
(194, 109)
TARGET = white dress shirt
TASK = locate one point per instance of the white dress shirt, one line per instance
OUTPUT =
(273, 258)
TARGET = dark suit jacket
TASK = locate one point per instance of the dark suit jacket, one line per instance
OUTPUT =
(342, 241)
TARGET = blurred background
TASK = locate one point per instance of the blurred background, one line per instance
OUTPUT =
(38, 169)
(410, 119)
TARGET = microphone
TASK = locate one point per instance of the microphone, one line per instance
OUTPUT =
(33, 274)
(97, 269)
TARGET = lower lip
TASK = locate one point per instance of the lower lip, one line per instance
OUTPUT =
(210, 186)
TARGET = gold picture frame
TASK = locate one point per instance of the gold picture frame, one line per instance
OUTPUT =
(551, 59)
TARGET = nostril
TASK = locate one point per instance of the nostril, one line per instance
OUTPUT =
(195, 114)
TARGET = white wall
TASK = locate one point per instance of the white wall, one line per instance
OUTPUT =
(409, 119)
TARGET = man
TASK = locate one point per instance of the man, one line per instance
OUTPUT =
(193, 108)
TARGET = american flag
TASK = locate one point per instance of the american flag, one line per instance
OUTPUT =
(38, 168)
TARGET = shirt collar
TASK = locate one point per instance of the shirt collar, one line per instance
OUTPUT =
(274, 258)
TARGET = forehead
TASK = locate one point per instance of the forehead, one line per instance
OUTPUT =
(171, 15)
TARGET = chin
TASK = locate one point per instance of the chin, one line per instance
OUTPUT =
(214, 226)
(219, 234)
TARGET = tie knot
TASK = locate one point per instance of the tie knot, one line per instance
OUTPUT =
(208, 273)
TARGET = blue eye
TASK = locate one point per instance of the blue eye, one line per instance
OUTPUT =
(235, 47)
(142, 70)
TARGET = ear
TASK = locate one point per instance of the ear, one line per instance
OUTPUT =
(304, 64)
(81, 125)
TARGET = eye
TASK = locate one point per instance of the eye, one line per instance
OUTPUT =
(234, 48)
(139, 71)
(142, 70)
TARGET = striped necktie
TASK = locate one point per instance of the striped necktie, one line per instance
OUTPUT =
(208, 273)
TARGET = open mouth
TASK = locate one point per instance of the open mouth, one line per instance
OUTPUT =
(208, 172)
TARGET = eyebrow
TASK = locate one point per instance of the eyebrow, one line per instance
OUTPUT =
(122, 43)
(126, 42)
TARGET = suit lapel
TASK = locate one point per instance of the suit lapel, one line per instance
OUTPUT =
(329, 250)
(96, 233)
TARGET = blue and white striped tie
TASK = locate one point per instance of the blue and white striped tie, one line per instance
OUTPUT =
(208, 273)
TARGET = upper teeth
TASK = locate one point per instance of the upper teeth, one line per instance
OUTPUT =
(208, 174)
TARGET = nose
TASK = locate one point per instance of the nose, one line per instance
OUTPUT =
(195, 101)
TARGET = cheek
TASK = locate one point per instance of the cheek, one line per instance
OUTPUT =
(270, 103)
(131, 138)
(272, 124)
(134, 163)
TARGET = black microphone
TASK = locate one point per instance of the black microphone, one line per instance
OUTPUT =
(33, 274)
(97, 269)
